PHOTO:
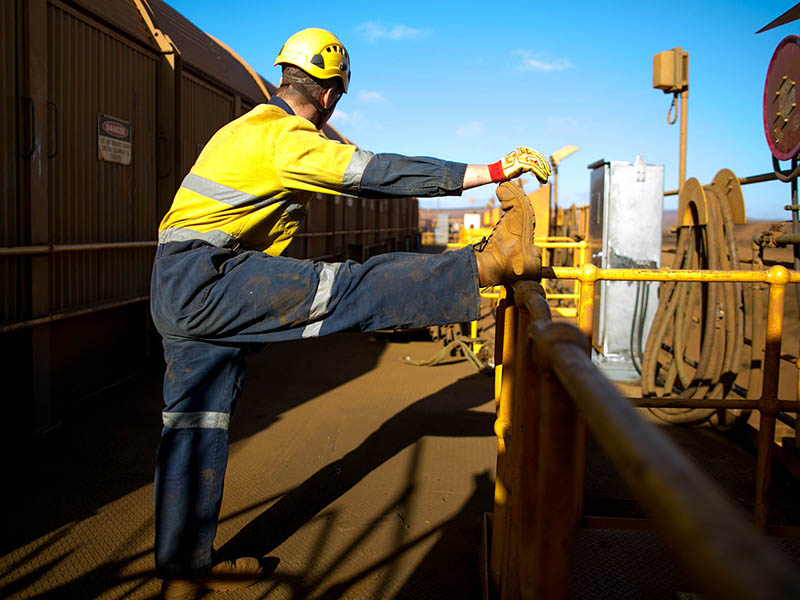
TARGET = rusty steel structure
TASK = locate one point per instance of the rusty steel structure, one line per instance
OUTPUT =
(77, 225)
(548, 391)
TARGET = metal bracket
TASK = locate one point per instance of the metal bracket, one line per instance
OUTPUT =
(786, 176)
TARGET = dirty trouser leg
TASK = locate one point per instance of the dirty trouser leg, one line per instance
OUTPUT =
(208, 303)
(215, 295)
(201, 386)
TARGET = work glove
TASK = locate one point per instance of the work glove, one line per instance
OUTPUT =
(518, 162)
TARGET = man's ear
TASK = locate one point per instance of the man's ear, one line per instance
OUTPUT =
(330, 97)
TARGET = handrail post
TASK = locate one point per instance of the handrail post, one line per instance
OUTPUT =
(505, 346)
(559, 483)
(777, 278)
(521, 467)
(588, 276)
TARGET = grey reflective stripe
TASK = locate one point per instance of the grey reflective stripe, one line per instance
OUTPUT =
(215, 237)
(290, 208)
(319, 306)
(220, 193)
(312, 330)
(195, 420)
(355, 169)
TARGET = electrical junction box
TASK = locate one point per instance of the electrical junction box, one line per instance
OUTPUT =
(625, 214)
(671, 70)
(442, 231)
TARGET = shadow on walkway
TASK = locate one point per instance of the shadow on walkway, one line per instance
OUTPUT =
(447, 413)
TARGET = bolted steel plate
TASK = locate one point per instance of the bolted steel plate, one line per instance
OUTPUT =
(781, 100)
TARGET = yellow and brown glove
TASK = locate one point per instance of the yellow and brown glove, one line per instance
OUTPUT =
(518, 162)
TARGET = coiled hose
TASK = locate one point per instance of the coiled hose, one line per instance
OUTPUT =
(694, 346)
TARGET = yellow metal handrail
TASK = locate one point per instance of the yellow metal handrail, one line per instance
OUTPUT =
(776, 277)
(533, 530)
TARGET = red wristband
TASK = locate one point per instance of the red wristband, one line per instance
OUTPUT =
(496, 172)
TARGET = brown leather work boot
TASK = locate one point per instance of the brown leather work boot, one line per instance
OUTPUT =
(508, 254)
(223, 577)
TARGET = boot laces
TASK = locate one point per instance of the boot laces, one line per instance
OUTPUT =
(479, 247)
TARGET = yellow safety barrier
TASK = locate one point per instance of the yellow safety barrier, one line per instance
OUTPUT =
(578, 259)
(776, 278)
(545, 377)
(475, 235)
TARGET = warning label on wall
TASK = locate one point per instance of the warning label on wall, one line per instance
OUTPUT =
(113, 140)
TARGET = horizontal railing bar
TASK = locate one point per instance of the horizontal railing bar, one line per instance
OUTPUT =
(715, 544)
(717, 403)
(742, 181)
(89, 247)
(57, 248)
(598, 274)
(575, 245)
(628, 523)
(351, 232)
(69, 314)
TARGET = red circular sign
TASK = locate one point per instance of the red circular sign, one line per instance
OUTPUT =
(782, 100)
(115, 129)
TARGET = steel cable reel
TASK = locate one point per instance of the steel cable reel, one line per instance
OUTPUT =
(694, 346)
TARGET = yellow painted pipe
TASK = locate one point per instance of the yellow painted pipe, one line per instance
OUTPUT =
(589, 272)
(777, 278)
(502, 429)
(586, 308)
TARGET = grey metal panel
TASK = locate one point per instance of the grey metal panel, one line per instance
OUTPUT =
(93, 70)
(624, 232)
(632, 240)
(204, 109)
(11, 208)
(598, 186)
(204, 55)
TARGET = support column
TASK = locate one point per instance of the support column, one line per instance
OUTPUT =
(34, 185)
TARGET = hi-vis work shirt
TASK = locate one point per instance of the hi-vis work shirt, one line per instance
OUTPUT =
(252, 182)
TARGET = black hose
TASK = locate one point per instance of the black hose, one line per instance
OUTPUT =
(637, 326)
(704, 319)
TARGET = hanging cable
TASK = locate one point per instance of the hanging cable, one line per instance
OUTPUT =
(673, 107)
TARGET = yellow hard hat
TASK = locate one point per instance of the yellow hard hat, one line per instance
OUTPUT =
(317, 52)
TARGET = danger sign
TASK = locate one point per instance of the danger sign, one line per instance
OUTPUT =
(113, 140)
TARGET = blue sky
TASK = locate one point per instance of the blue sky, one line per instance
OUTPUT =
(471, 81)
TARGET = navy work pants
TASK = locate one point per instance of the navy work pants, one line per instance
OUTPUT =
(210, 304)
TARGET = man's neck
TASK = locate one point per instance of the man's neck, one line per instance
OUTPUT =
(301, 109)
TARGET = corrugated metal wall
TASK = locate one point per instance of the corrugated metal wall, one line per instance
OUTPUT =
(92, 71)
(72, 306)
(11, 213)
(204, 109)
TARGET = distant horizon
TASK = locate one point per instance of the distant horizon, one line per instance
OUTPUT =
(669, 212)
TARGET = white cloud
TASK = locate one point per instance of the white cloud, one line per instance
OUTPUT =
(375, 30)
(529, 62)
(351, 119)
(369, 97)
(470, 129)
